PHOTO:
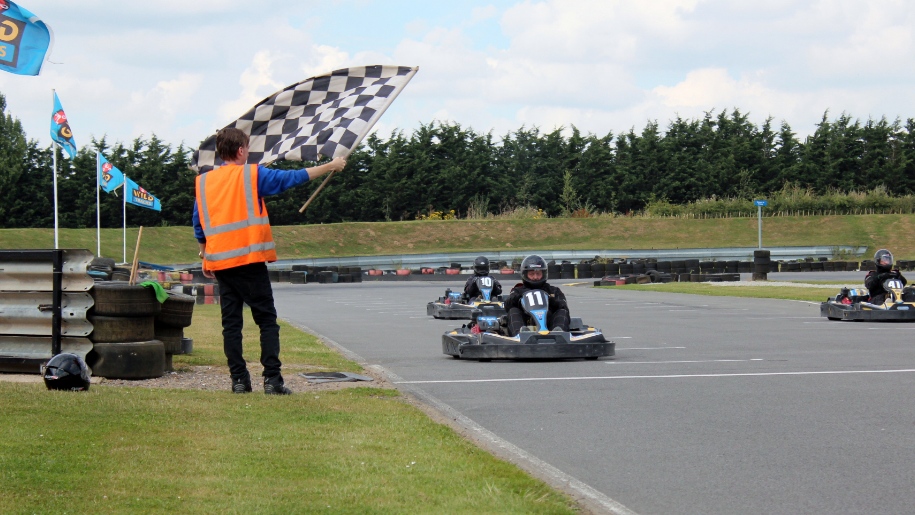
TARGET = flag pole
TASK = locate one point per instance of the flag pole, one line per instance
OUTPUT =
(124, 191)
(54, 153)
(98, 208)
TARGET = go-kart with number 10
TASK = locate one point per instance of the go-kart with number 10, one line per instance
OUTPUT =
(454, 306)
(487, 336)
(856, 305)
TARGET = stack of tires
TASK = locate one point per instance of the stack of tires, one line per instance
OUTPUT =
(762, 261)
(176, 314)
(101, 268)
(123, 337)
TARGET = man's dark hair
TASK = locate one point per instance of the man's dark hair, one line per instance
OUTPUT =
(228, 141)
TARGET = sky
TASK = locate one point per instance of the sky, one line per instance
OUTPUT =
(183, 69)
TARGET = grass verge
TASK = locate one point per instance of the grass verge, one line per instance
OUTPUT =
(177, 244)
(811, 294)
(139, 450)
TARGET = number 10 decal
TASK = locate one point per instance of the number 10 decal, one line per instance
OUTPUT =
(486, 282)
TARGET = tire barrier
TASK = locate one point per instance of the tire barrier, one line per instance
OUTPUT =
(177, 310)
(114, 298)
(760, 265)
(107, 329)
(127, 360)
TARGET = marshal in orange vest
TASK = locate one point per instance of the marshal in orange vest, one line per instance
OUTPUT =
(233, 218)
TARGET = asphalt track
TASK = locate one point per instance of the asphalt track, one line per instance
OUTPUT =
(713, 405)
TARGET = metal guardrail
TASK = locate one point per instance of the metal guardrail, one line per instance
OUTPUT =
(33, 270)
(466, 258)
(43, 305)
(25, 354)
(31, 313)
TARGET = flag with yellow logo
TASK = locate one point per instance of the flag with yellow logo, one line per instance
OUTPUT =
(24, 40)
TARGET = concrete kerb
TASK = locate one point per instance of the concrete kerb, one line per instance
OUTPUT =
(588, 498)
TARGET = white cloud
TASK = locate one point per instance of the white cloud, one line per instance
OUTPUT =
(601, 65)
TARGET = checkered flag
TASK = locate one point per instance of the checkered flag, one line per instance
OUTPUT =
(324, 116)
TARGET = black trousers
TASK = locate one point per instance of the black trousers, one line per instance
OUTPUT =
(248, 284)
(558, 319)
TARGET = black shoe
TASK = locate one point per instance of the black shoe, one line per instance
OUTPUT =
(274, 386)
(241, 385)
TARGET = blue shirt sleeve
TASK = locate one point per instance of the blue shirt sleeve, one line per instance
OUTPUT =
(198, 229)
(274, 182)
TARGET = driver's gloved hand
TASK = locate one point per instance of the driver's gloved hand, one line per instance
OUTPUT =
(883, 276)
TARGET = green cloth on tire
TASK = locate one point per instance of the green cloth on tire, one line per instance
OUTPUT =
(161, 294)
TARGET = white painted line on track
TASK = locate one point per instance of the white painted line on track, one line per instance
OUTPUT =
(783, 318)
(692, 361)
(648, 348)
(620, 337)
(671, 376)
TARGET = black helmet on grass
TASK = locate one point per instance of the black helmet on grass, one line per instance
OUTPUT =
(530, 264)
(481, 266)
(66, 372)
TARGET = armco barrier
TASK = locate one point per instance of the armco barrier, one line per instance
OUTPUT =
(43, 306)
(418, 261)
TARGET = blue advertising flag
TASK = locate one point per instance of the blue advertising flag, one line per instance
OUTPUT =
(137, 196)
(24, 40)
(109, 177)
(60, 128)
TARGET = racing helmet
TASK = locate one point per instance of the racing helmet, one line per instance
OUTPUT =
(884, 260)
(481, 265)
(533, 262)
(66, 372)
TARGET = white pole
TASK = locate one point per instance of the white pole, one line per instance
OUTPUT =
(98, 208)
(54, 159)
(759, 216)
(124, 191)
(54, 152)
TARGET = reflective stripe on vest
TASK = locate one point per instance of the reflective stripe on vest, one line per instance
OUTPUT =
(247, 237)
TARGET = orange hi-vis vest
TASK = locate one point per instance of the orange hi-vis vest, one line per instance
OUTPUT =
(233, 218)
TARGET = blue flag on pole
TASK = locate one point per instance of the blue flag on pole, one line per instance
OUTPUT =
(60, 128)
(139, 197)
(109, 177)
(24, 40)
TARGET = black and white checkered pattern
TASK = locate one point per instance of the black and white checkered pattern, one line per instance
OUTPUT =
(324, 116)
